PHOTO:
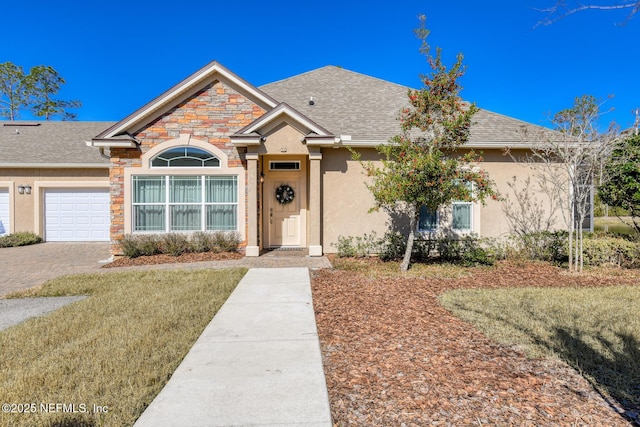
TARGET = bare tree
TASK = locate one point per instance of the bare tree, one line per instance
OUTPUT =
(561, 9)
(571, 159)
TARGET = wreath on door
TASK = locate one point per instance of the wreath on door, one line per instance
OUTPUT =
(285, 194)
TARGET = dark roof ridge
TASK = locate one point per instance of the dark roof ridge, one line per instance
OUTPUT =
(336, 67)
(524, 122)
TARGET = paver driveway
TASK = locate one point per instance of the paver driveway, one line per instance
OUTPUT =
(26, 266)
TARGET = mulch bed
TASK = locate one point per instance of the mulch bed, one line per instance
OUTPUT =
(394, 357)
(169, 259)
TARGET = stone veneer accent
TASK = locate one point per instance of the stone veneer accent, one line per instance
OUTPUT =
(212, 115)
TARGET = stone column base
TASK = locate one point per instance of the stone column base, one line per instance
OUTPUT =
(252, 251)
(315, 250)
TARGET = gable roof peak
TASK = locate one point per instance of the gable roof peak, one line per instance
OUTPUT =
(213, 71)
(340, 73)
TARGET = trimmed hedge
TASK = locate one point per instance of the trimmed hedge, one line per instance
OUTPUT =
(598, 248)
(467, 250)
(610, 250)
(136, 245)
(22, 238)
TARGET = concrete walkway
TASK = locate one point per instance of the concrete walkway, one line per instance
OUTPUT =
(14, 311)
(257, 363)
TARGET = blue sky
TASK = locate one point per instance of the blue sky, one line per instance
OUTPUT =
(118, 55)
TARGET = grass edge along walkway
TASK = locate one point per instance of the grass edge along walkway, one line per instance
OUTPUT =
(102, 360)
(594, 330)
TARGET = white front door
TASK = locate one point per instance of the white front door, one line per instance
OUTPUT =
(284, 219)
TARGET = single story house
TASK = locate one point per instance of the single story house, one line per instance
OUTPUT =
(215, 152)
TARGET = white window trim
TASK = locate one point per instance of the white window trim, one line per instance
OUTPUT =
(185, 139)
(167, 204)
(449, 225)
(184, 157)
(463, 230)
(462, 203)
(272, 162)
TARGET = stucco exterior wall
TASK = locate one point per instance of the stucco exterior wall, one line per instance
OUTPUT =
(346, 199)
(502, 168)
(27, 214)
(284, 140)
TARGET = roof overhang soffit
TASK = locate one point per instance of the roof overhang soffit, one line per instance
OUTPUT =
(210, 73)
(255, 132)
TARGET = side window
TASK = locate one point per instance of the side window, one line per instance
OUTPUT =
(428, 220)
(462, 214)
(461, 218)
(185, 157)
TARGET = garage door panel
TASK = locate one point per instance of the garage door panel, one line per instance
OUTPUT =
(77, 215)
(4, 212)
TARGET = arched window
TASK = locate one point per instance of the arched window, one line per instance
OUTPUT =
(185, 157)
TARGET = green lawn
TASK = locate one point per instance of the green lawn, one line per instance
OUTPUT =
(613, 224)
(595, 330)
(115, 349)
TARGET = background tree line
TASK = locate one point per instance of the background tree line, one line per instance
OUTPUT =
(34, 92)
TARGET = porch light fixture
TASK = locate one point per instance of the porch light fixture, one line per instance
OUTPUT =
(24, 189)
(261, 177)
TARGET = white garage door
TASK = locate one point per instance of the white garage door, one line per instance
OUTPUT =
(76, 215)
(4, 211)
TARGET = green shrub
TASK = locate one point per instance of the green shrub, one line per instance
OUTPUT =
(468, 250)
(201, 241)
(135, 245)
(21, 238)
(392, 246)
(548, 246)
(224, 241)
(618, 251)
(599, 248)
(358, 247)
(129, 246)
(175, 244)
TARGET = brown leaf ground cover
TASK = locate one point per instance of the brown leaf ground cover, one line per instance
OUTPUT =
(169, 259)
(395, 357)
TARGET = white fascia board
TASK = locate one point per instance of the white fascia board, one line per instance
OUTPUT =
(363, 144)
(116, 143)
(243, 141)
(320, 140)
(487, 145)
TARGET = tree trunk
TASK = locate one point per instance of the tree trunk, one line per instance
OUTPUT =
(404, 266)
(572, 223)
(580, 248)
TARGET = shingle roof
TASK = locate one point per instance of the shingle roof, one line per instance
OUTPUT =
(50, 142)
(344, 102)
(367, 108)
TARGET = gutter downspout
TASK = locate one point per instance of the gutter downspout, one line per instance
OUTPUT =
(100, 149)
